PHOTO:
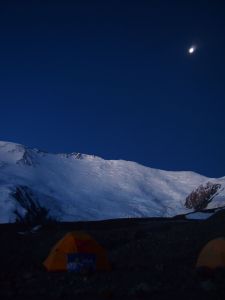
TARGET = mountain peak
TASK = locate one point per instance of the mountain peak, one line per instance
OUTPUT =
(17, 153)
(78, 155)
(11, 152)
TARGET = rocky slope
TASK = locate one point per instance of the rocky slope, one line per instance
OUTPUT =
(150, 258)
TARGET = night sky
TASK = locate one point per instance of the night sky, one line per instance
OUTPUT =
(114, 79)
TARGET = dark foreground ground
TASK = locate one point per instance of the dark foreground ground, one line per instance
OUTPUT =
(151, 259)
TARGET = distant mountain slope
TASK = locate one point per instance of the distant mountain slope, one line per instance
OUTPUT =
(84, 187)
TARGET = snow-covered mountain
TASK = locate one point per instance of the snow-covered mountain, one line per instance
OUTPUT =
(84, 187)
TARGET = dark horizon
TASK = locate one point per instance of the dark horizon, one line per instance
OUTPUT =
(116, 80)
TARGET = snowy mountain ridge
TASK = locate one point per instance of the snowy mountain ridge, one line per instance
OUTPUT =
(86, 187)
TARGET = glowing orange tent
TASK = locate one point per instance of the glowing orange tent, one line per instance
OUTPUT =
(77, 251)
(213, 254)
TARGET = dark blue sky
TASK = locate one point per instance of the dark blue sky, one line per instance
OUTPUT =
(113, 78)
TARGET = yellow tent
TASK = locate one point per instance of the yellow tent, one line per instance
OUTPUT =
(77, 251)
(213, 254)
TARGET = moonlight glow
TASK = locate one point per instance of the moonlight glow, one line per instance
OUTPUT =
(192, 49)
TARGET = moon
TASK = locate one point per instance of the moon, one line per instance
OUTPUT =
(192, 49)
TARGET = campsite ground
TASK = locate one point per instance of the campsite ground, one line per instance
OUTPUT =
(151, 259)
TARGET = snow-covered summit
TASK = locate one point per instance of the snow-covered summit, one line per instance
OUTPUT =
(85, 187)
(16, 153)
